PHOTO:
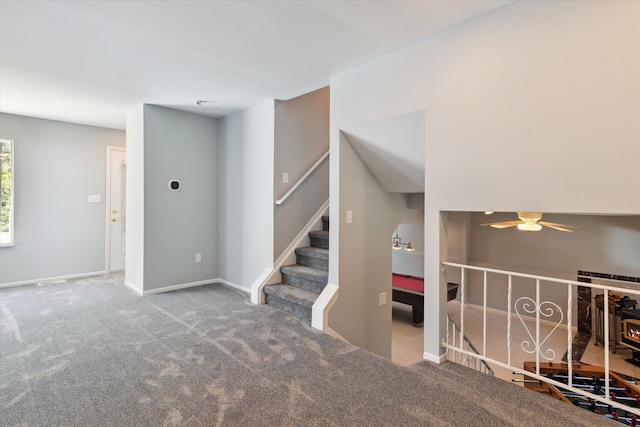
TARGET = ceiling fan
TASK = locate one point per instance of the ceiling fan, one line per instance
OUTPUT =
(530, 221)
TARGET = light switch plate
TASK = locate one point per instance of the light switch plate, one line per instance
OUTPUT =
(285, 178)
(94, 198)
(382, 298)
(349, 217)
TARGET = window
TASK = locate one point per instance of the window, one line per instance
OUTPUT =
(6, 193)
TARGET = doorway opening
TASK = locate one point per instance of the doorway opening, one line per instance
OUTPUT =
(116, 209)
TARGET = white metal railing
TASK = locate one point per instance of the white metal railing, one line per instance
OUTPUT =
(532, 308)
(472, 362)
(301, 180)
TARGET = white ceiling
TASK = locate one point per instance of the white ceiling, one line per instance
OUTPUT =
(91, 62)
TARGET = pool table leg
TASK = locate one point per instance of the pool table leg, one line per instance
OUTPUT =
(418, 314)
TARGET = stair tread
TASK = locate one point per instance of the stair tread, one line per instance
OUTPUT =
(319, 234)
(303, 270)
(292, 294)
(313, 252)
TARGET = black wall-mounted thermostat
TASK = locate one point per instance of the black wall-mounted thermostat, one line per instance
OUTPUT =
(174, 184)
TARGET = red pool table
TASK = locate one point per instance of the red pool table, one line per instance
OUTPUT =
(410, 290)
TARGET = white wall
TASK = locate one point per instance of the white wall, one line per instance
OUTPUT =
(532, 107)
(301, 138)
(246, 194)
(57, 232)
(177, 224)
(134, 260)
(405, 262)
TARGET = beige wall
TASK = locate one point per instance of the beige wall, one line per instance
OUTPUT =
(301, 138)
(365, 254)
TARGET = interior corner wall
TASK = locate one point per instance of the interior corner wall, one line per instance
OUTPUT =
(301, 138)
(57, 165)
(364, 268)
(134, 237)
(180, 224)
(246, 194)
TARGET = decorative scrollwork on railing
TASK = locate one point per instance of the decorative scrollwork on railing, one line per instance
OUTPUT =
(546, 309)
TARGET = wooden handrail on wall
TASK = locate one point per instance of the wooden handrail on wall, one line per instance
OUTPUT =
(297, 184)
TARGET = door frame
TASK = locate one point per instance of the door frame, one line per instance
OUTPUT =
(107, 203)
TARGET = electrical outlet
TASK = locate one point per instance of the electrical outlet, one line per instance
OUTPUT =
(349, 217)
(382, 298)
(198, 258)
(285, 178)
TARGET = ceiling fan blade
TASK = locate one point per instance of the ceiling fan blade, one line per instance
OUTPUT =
(503, 224)
(560, 227)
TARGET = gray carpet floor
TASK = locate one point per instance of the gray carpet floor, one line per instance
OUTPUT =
(90, 352)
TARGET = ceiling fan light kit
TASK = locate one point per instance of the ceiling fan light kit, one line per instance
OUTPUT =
(529, 227)
(530, 221)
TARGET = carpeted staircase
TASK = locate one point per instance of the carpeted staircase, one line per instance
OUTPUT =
(303, 281)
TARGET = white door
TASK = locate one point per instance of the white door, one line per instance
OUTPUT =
(116, 207)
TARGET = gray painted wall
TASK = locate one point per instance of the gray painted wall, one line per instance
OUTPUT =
(365, 254)
(246, 194)
(57, 165)
(179, 224)
(606, 244)
(301, 138)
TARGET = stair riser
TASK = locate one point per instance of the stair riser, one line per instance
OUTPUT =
(303, 283)
(289, 307)
(322, 264)
(319, 243)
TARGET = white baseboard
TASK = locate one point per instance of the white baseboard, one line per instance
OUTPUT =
(181, 286)
(234, 286)
(257, 296)
(52, 279)
(433, 358)
(133, 287)
(334, 334)
(320, 309)
(186, 285)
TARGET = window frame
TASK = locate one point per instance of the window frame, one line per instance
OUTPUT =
(12, 162)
